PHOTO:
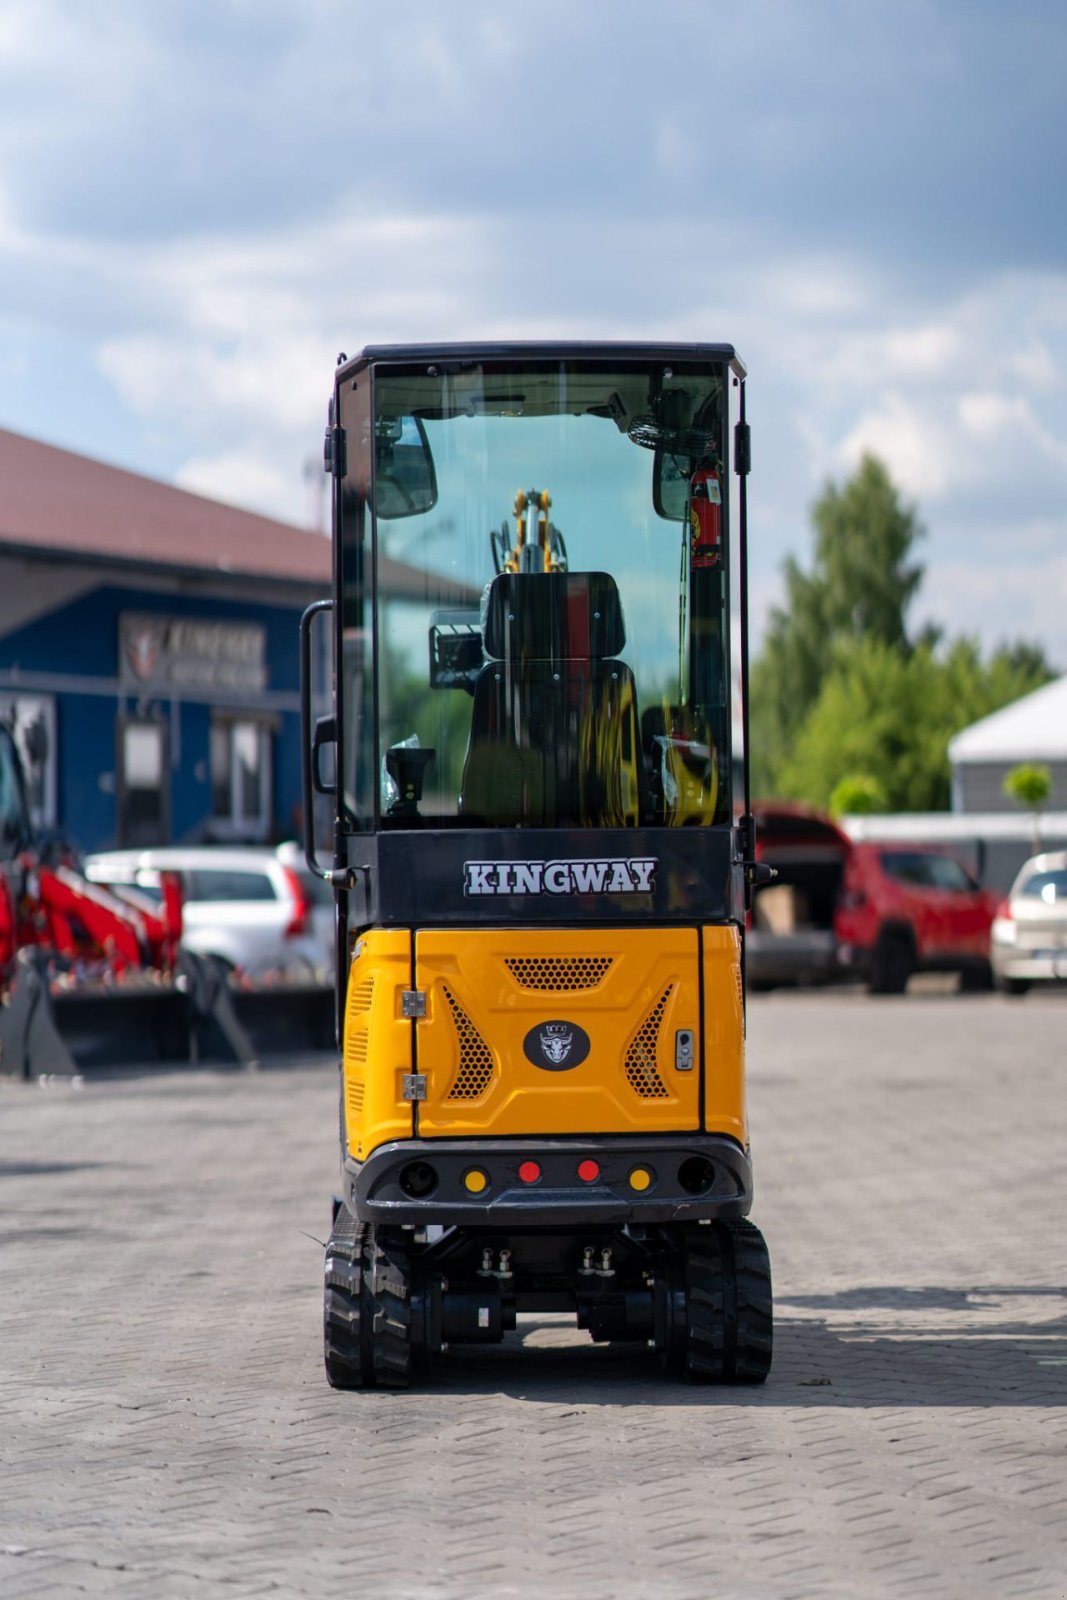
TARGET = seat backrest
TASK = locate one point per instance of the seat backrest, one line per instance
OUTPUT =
(553, 616)
(553, 728)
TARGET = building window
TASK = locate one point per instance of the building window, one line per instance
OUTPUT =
(240, 777)
(31, 720)
(144, 796)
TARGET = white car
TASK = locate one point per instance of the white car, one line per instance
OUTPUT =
(255, 909)
(1029, 933)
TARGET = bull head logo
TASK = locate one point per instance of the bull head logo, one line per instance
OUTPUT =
(556, 1041)
(556, 1046)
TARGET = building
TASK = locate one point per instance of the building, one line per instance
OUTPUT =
(1031, 729)
(149, 652)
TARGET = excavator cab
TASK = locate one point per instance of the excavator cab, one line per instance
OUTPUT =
(532, 683)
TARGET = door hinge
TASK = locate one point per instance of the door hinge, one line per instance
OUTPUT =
(413, 1003)
(335, 454)
(742, 449)
(414, 1086)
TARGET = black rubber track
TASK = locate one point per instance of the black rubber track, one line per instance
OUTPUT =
(704, 1359)
(751, 1347)
(729, 1316)
(343, 1343)
(387, 1281)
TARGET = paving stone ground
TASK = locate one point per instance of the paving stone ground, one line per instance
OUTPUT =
(166, 1430)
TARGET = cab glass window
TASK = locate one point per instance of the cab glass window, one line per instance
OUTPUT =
(946, 873)
(906, 867)
(209, 883)
(549, 617)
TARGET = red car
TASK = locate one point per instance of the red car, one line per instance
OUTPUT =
(905, 909)
(879, 912)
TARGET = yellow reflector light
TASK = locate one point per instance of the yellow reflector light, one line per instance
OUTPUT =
(640, 1179)
(475, 1181)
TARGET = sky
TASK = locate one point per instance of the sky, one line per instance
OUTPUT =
(203, 201)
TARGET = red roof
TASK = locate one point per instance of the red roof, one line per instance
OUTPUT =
(54, 501)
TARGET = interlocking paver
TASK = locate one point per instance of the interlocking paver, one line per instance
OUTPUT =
(166, 1430)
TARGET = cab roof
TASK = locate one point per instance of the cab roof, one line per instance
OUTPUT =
(451, 354)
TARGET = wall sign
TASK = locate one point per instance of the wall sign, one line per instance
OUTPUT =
(161, 652)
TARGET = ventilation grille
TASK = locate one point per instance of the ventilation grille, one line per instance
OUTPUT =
(475, 1061)
(357, 1032)
(558, 972)
(641, 1069)
(361, 994)
(355, 1090)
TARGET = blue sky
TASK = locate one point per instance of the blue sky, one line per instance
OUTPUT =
(202, 201)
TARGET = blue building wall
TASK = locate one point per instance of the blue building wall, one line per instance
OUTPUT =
(82, 637)
(80, 640)
(190, 791)
(85, 750)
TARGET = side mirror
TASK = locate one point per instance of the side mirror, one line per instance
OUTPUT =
(670, 484)
(405, 484)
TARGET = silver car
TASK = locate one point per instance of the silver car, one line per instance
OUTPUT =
(1029, 933)
(258, 911)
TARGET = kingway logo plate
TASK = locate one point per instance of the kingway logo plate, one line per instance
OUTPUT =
(611, 875)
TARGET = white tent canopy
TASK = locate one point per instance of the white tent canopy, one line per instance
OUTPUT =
(1031, 729)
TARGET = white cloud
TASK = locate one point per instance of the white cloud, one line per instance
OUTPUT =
(258, 481)
(1009, 422)
(919, 453)
(249, 330)
(999, 601)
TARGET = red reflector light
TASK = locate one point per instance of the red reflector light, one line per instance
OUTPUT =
(529, 1171)
(589, 1171)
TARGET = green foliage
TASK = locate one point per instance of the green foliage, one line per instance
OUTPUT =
(860, 587)
(1030, 784)
(890, 713)
(840, 691)
(857, 795)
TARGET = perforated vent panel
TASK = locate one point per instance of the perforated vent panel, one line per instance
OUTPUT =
(641, 1070)
(475, 1061)
(354, 1096)
(356, 1045)
(558, 972)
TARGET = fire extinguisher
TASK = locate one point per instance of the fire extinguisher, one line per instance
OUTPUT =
(705, 517)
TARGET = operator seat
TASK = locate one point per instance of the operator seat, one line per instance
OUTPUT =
(553, 739)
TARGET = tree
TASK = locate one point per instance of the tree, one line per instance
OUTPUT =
(860, 587)
(889, 713)
(857, 795)
(1030, 784)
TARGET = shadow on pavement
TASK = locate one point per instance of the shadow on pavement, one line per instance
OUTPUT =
(884, 1356)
